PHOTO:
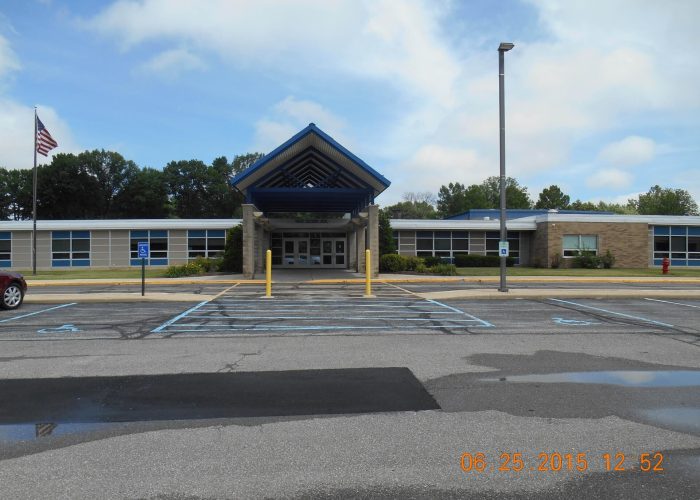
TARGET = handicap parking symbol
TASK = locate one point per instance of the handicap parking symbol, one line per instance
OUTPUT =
(574, 322)
(69, 328)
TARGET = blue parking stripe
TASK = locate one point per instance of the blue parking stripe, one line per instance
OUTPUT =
(639, 318)
(38, 312)
(178, 317)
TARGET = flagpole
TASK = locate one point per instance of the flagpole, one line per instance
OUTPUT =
(34, 201)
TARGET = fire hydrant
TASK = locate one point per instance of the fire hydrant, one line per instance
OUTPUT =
(665, 265)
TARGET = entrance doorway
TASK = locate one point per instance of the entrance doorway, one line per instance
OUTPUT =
(304, 250)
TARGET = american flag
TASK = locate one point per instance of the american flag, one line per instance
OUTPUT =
(44, 141)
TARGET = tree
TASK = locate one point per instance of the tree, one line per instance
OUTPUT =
(241, 162)
(188, 182)
(665, 201)
(516, 195)
(66, 189)
(450, 199)
(419, 197)
(19, 186)
(145, 196)
(553, 198)
(386, 236)
(112, 173)
(583, 205)
(232, 260)
(411, 210)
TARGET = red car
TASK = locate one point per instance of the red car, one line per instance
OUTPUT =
(13, 289)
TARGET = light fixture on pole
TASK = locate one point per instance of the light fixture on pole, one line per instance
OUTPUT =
(503, 244)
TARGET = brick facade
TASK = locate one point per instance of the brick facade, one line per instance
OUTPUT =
(628, 242)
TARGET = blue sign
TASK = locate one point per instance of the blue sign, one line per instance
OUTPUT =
(143, 249)
(503, 249)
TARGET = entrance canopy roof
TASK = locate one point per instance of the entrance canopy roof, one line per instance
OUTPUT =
(311, 172)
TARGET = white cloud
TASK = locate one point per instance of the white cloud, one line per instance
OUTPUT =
(632, 150)
(171, 63)
(610, 179)
(589, 74)
(8, 60)
(17, 134)
(17, 122)
(289, 116)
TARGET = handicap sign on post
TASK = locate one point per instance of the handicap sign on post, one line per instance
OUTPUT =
(143, 249)
(503, 249)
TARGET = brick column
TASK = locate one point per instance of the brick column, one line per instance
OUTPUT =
(373, 235)
(248, 240)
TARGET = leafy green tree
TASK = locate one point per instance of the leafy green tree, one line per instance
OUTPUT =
(665, 201)
(188, 182)
(450, 200)
(19, 189)
(112, 173)
(553, 198)
(144, 196)
(616, 208)
(386, 235)
(241, 162)
(516, 195)
(583, 205)
(67, 189)
(233, 251)
(411, 210)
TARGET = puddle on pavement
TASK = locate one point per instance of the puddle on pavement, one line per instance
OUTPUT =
(29, 432)
(682, 419)
(659, 378)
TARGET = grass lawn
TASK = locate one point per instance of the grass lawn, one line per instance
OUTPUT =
(92, 274)
(531, 271)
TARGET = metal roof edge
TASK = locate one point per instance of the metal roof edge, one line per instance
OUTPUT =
(670, 220)
(462, 224)
(310, 128)
(117, 224)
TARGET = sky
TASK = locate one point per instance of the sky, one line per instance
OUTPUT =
(601, 96)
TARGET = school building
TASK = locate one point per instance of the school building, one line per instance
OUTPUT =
(312, 203)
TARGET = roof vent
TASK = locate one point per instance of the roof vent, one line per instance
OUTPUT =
(553, 211)
(487, 218)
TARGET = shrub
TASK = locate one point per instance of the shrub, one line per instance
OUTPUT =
(189, 269)
(431, 261)
(232, 260)
(473, 260)
(556, 261)
(392, 263)
(413, 263)
(444, 269)
(587, 260)
(608, 260)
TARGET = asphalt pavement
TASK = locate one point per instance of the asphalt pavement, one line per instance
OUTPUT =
(300, 396)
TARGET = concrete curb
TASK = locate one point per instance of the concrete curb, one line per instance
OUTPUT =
(512, 294)
(90, 298)
(347, 281)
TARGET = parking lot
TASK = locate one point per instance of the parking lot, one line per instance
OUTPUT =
(341, 309)
(319, 378)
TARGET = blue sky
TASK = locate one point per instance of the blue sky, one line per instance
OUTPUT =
(601, 97)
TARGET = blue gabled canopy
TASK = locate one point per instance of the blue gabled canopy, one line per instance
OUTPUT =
(311, 172)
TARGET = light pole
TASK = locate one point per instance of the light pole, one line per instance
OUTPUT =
(502, 49)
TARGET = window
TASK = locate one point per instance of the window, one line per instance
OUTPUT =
(574, 244)
(205, 243)
(70, 248)
(681, 244)
(157, 244)
(5, 249)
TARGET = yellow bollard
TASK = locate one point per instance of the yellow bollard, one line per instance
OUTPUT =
(368, 275)
(268, 274)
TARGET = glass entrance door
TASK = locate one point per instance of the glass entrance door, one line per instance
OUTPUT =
(301, 249)
(296, 252)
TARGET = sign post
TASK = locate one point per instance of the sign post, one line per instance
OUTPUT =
(143, 254)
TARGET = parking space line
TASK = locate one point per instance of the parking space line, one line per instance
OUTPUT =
(37, 312)
(304, 328)
(639, 318)
(178, 317)
(674, 303)
(343, 319)
(483, 322)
